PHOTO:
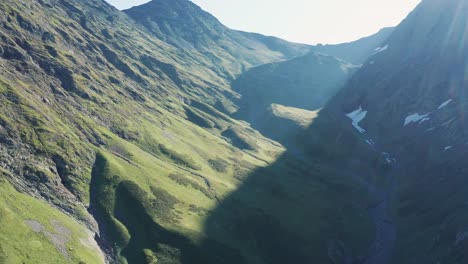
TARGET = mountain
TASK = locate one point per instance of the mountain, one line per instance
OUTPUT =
(413, 94)
(407, 104)
(185, 25)
(356, 52)
(383, 161)
(306, 82)
(117, 143)
(105, 128)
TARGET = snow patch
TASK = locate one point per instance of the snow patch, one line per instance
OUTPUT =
(448, 147)
(416, 118)
(380, 49)
(448, 122)
(370, 142)
(388, 158)
(424, 120)
(357, 116)
(444, 104)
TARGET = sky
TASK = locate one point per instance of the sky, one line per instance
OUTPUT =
(304, 21)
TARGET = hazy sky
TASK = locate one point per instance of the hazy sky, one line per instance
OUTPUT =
(306, 21)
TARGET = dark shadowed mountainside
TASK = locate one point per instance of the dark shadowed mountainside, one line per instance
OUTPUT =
(118, 142)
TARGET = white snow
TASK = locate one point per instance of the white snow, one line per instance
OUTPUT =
(357, 116)
(380, 49)
(448, 147)
(444, 104)
(370, 142)
(448, 122)
(388, 158)
(415, 118)
(424, 120)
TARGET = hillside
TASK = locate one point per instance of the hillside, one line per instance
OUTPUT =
(228, 52)
(383, 161)
(410, 112)
(96, 113)
(119, 143)
(414, 94)
(306, 82)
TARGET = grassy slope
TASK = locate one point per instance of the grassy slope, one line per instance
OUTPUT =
(300, 116)
(123, 134)
(19, 243)
(54, 128)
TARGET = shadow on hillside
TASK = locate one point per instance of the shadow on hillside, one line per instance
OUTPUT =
(307, 207)
(115, 203)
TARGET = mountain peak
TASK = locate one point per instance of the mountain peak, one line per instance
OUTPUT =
(185, 25)
(185, 12)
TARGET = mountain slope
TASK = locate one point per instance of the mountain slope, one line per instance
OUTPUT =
(356, 52)
(185, 25)
(306, 82)
(96, 114)
(103, 121)
(384, 161)
(411, 95)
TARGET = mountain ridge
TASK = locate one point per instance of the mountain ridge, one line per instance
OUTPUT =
(189, 27)
(112, 134)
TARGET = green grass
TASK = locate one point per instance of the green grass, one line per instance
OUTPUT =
(218, 165)
(3, 87)
(20, 244)
(154, 179)
(300, 116)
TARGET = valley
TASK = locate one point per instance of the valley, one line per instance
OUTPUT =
(159, 135)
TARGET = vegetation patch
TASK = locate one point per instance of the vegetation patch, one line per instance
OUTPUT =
(150, 256)
(162, 204)
(218, 164)
(209, 110)
(239, 140)
(178, 158)
(184, 181)
(198, 210)
(198, 119)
